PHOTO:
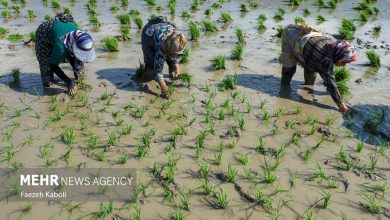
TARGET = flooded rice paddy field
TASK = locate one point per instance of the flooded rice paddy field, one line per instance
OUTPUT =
(274, 152)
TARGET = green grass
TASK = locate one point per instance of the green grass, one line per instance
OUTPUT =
(225, 17)
(238, 51)
(218, 62)
(374, 58)
(110, 44)
(209, 26)
(194, 31)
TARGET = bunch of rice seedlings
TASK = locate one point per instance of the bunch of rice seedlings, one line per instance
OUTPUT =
(243, 8)
(261, 26)
(185, 15)
(342, 75)
(124, 19)
(208, 11)
(279, 30)
(377, 28)
(294, 2)
(374, 58)
(253, 4)
(172, 6)
(347, 29)
(110, 44)
(94, 20)
(209, 26)
(125, 34)
(140, 73)
(279, 16)
(239, 35)
(320, 3)
(299, 20)
(376, 10)
(218, 62)
(320, 18)
(6, 14)
(185, 58)
(363, 16)
(31, 13)
(15, 76)
(114, 9)
(306, 11)
(15, 37)
(194, 31)
(47, 17)
(195, 5)
(151, 2)
(238, 51)
(3, 31)
(362, 6)
(139, 22)
(332, 4)
(229, 83)
(134, 12)
(225, 17)
(55, 4)
(186, 78)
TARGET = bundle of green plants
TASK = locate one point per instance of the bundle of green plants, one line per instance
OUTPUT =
(279, 30)
(332, 4)
(229, 83)
(124, 19)
(243, 8)
(185, 15)
(299, 20)
(320, 18)
(47, 17)
(186, 78)
(15, 76)
(347, 29)
(208, 11)
(134, 12)
(209, 26)
(374, 58)
(125, 34)
(377, 28)
(151, 2)
(139, 22)
(185, 58)
(279, 16)
(238, 51)
(194, 31)
(225, 17)
(218, 62)
(114, 9)
(239, 35)
(94, 20)
(55, 4)
(3, 31)
(31, 13)
(195, 5)
(362, 5)
(342, 75)
(15, 37)
(363, 16)
(261, 26)
(110, 44)
(306, 11)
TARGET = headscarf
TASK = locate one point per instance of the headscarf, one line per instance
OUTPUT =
(344, 51)
(176, 43)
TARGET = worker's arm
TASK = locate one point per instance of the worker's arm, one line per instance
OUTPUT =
(159, 60)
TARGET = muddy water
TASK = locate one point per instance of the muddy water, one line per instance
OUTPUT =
(258, 81)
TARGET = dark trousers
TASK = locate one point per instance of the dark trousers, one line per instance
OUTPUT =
(288, 73)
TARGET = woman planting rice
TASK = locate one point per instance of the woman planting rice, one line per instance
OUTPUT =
(59, 40)
(316, 53)
(162, 42)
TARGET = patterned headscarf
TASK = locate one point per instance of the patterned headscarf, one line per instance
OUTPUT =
(344, 51)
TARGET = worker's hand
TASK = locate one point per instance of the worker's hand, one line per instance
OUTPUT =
(343, 107)
(174, 71)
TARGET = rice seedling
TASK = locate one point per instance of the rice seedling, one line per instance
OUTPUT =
(306, 11)
(94, 20)
(186, 78)
(195, 5)
(239, 35)
(266, 115)
(319, 172)
(125, 34)
(218, 62)
(15, 77)
(177, 214)
(373, 162)
(3, 31)
(243, 158)
(31, 14)
(359, 146)
(308, 153)
(330, 119)
(15, 37)
(376, 10)
(217, 5)
(112, 138)
(237, 52)
(377, 28)
(279, 16)
(69, 136)
(299, 20)
(124, 19)
(279, 31)
(243, 8)
(225, 17)
(208, 12)
(209, 26)
(363, 16)
(374, 58)
(229, 82)
(221, 198)
(27, 208)
(268, 173)
(320, 18)
(309, 215)
(326, 196)
(194, 31)
(110, 44)
(347, 29)
(332, 4)
(139, 22)
(371, 205)
(231, 174)
(261, 26)
(105, 210)
(6, 14)
(151, 2)
(263, 199)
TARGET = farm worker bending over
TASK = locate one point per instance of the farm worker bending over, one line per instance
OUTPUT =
(59, 40)
(316, 53)
(162, 42)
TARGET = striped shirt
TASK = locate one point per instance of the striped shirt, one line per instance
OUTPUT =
(318, 56)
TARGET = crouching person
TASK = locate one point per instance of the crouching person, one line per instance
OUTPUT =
(161, 42)
(317, 53)
(60, 40)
